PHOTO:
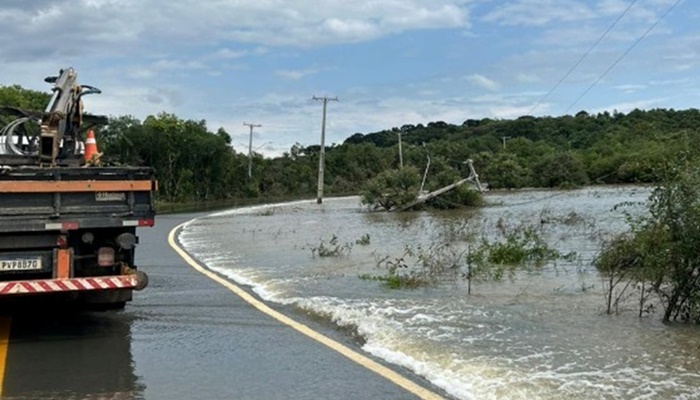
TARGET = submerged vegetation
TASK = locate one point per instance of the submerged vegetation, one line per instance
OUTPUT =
(391, 189)
(331, 248)
(659, 255)
(485, 259)
(400, 189)
(520, 247)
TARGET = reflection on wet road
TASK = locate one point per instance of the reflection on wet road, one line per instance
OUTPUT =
(70, 356)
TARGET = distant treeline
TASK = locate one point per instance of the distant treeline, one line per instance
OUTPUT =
(193, 163)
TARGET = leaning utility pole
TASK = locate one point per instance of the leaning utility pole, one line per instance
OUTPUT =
(321, 162)
(250, 148)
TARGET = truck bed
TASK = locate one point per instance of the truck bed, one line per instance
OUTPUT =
(63, 198)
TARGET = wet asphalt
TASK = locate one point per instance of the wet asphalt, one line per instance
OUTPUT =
(183, 337)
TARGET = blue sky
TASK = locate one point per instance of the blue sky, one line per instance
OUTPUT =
(389, 62)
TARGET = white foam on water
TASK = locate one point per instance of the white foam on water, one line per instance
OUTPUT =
(257, 208)
(266, 207)
(389, 339)
(248, 277)
(493, 376)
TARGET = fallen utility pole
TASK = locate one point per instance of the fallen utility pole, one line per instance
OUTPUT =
(422, 198)
(321, 161)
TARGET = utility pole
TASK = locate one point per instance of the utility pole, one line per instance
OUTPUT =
(321, 161)
(250, 148)
(400, 152)
(504, 141)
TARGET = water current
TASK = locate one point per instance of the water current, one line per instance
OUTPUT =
(540, 334)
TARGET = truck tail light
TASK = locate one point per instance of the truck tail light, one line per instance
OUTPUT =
(62, 241)
(105, 257)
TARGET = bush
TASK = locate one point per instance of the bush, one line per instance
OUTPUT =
(391, 189)
(661, 250)
(560, 171)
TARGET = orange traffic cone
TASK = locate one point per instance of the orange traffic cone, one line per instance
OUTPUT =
(91, 155)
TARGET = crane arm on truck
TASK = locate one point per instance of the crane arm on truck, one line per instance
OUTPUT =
(57, 139)
(62, 118)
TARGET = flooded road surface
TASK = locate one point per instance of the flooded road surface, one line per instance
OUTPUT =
(184, 337)
(540, 334)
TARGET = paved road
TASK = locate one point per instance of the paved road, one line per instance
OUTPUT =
(189, 337)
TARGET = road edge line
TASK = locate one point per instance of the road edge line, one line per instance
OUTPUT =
(358, 358)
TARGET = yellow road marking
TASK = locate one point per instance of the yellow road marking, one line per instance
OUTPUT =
(360, 359)
(4, 342)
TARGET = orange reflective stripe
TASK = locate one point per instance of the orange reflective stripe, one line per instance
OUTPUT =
(74, 186)
(63, 263)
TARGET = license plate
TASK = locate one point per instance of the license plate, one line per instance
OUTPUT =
(110, 196)
(24, 264)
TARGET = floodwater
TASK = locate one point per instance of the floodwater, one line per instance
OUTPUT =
(539, 334)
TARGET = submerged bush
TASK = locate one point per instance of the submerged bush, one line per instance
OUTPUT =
(660, 253)
(391, 189)
(399, 274)
(514, 248)
(398, 189)
(332, 248)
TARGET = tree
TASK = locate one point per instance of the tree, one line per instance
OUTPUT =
(17, 96)
(560, 170)
(391, 189)
(661, 250)
(505, 172)
(461, 196)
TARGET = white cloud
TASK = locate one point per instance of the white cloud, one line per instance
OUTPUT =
(350, 30)
(59, 25)
(123, 101)
(154, 69)
(523, 77)
(670, 82)
(540, 12)
(509, 112)
(630, 88)
(483, 82)
(295, 74)
(552, 12)
(174, 65)
(626, 107)
(228, 54)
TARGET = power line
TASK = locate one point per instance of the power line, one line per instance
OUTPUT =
(622, 56)
(573, 67)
